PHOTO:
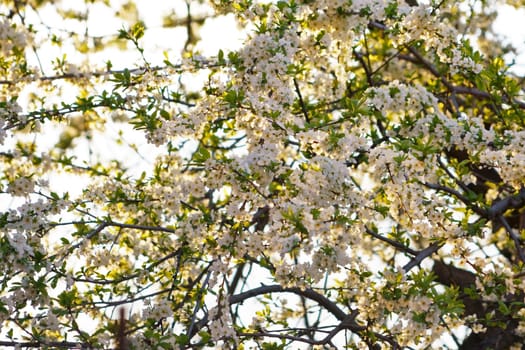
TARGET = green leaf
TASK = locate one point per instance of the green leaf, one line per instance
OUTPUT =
(503, 308)
(137, 31)
(205, 336)
(67, 298)
(182, 339)
(220, 58)
(272, 346)
(201, 155)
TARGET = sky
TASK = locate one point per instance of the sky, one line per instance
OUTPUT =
(510, 23)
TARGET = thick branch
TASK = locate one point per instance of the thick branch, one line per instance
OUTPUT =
(422, 255)
(511, 202)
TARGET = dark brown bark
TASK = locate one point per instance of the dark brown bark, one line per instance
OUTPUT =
(122, 341)
(495, 337)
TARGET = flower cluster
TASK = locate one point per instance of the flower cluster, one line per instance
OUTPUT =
(12, 38)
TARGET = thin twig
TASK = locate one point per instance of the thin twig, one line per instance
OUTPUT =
(513, 236)
(459, 196)
(395, 244)
(198, 303)
(301, 101)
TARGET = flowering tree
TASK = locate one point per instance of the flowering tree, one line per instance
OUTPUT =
(351, 176)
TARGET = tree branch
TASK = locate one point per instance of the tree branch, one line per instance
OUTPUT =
(513, 236)
(459, 196)
(308, 293)
(501, 206)
(40, 344)
(422, 255)
(395, 244)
